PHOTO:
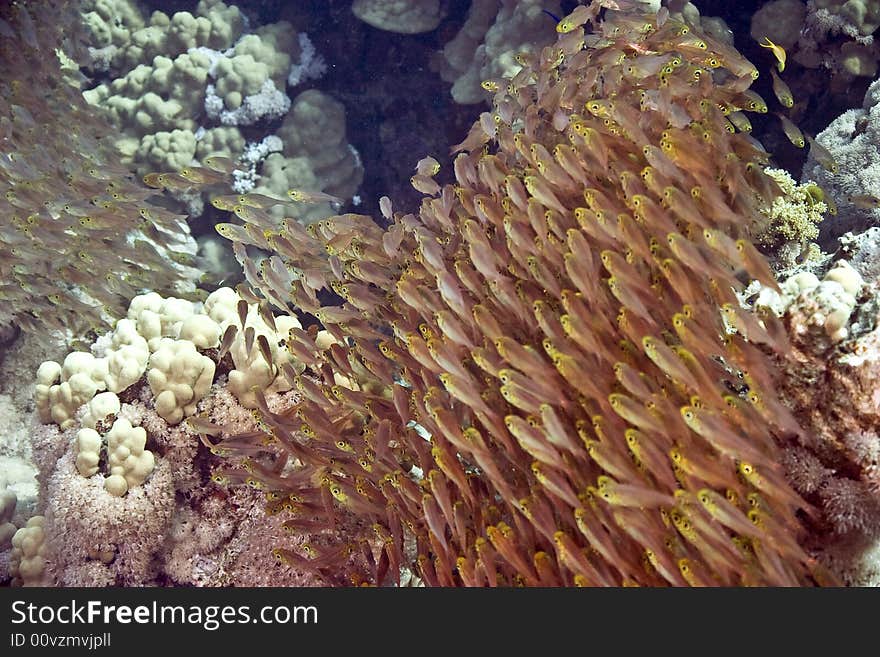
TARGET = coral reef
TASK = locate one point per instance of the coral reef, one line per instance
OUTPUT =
(127, 494)
(404, 16)
(571, 366)
(830, 381)
(793, 218)
(832, 34)
(189, 86)
(852, 139)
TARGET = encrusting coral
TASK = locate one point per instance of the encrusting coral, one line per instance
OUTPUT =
(547, 377)
(829, 380)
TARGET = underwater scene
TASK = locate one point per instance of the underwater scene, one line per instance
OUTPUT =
(439, 293)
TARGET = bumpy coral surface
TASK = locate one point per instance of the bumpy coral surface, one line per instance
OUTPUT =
(852, 140)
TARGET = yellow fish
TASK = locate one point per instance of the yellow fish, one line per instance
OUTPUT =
(778, 52)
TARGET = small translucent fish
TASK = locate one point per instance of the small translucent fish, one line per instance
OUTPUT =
(726, 513)
(719, 241)
(227, 202)
(259, 201)
(781, 90)
(532, 440)
(865, 201)
(474, 141)
(740, 121)
(385, 208)
(201, 425)
(832, 206)
(226, 342)
(427, 166)
(174, 182)
(794, 134)
(822, 155)
(234, 233)
(249, 335)
(756, 264)
(619, 494)
(778, 52)
(303, 196)
(635, 413)
(629, 297)
(154, 180)
(203, 175)
(634, 381)
(220, 164)
(425, 184)
(555, 483)
(754, 102)
(96, 222)
(580, 15)
(718, 434)
(265, 351)
(772, 484)
(543, 192)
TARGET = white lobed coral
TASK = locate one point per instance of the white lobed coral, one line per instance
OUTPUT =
(101, 408)
(492, 35)
(156, 317)
(129, 463)
(179, 376)
(818, 308)
(251, 368)
(316, 155)
(780, 21)
(27, 563)
(8, 502)
(140, 516)
(402, 16)
(88, 451)
(126, 357)
(61, 389)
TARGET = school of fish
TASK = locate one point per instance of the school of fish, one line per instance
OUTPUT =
(547, 377)
(79, 235)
